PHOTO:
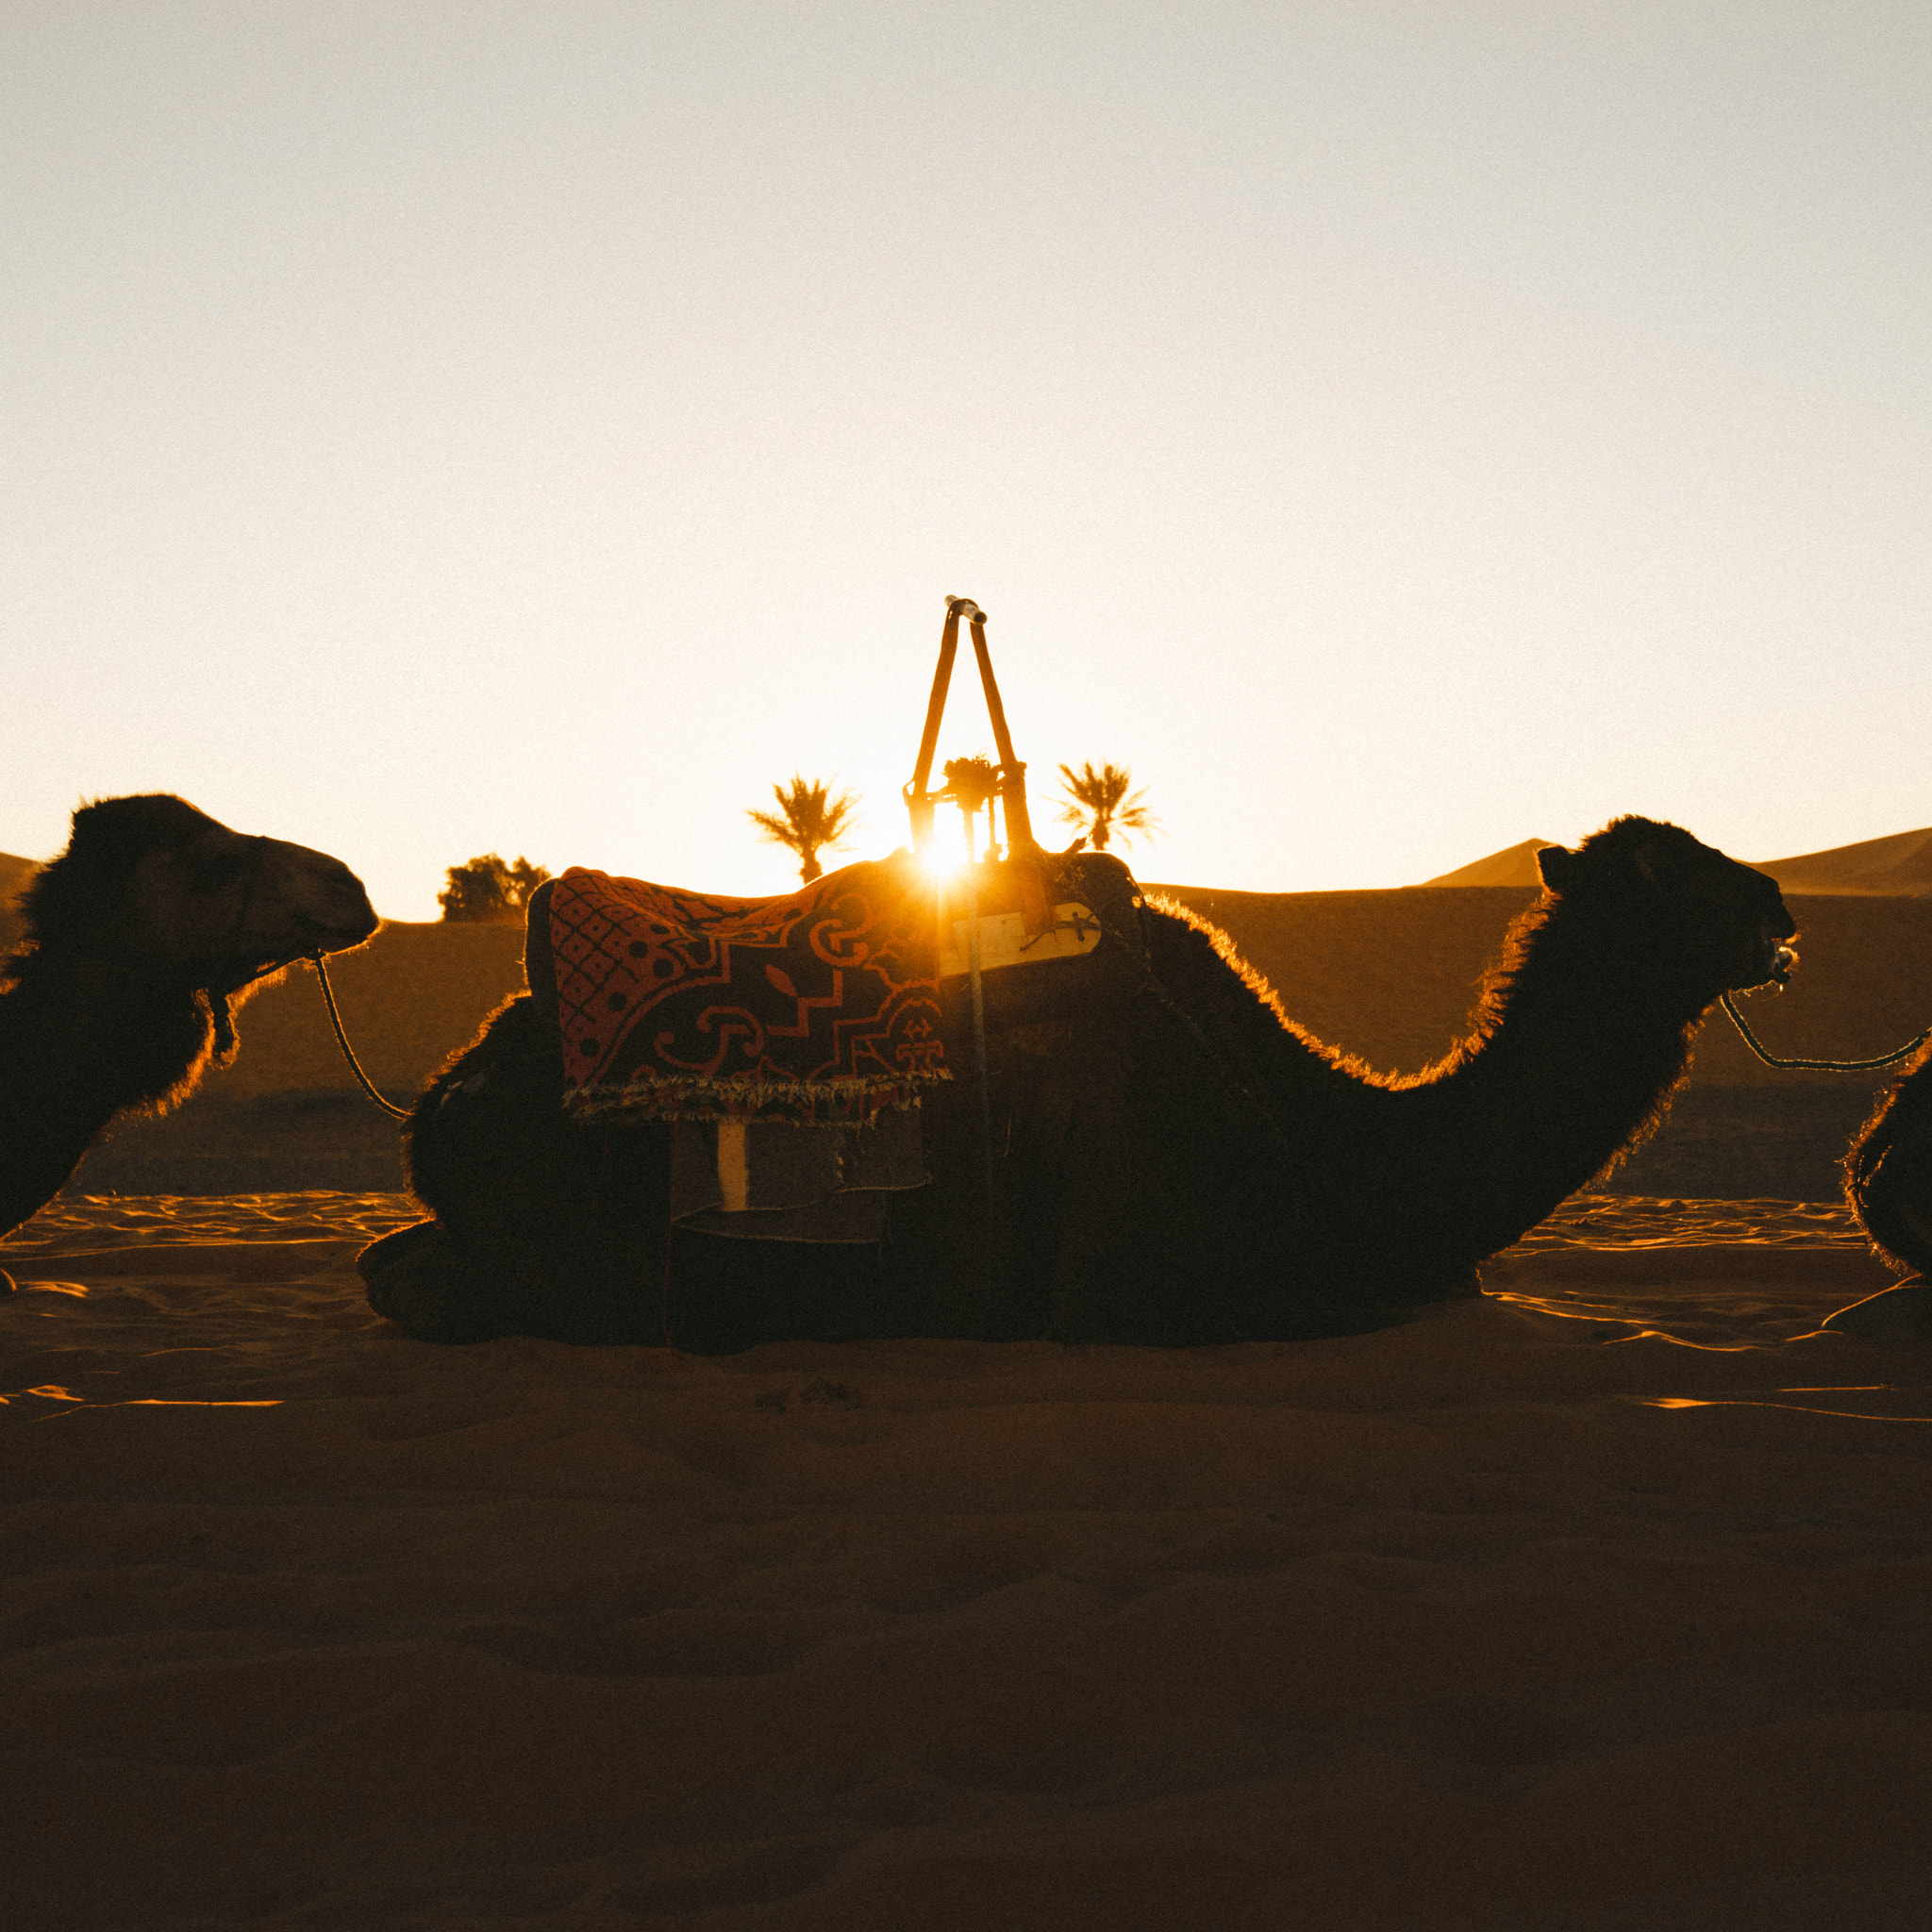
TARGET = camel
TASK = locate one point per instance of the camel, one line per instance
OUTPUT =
(1172, 1160)
(142, 939)
(1888, 1184)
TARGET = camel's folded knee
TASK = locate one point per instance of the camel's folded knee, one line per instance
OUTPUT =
(415, 1278)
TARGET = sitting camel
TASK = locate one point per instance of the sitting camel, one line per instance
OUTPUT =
(1889, 1183)
(142, 939)
(1171, 1160)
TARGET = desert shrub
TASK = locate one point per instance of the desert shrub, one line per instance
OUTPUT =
(488, 888)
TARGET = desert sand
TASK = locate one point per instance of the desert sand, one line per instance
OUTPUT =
(1598, 1602)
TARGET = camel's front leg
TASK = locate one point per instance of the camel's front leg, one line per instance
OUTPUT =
(543, 1226)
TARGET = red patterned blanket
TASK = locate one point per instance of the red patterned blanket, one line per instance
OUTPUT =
(820, 1006)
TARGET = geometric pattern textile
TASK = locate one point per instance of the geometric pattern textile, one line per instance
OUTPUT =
(820, 1006)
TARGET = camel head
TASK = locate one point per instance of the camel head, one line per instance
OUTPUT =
(1724, 923)
(150, 887)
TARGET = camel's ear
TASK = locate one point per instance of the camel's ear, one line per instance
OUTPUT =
(1558, 864)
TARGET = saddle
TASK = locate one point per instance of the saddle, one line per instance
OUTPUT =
(821, 1009)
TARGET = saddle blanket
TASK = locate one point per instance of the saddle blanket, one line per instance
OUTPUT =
(818, 1008)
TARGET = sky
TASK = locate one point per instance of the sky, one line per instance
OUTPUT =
(1393, 430)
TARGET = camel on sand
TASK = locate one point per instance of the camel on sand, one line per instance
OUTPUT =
(1172, 1160)
(142, 939)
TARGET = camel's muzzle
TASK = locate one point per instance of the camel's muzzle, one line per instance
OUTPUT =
(316, 938)
(1773, 967)
(321, 936)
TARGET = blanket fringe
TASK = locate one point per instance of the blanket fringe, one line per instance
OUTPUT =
(847, 1100)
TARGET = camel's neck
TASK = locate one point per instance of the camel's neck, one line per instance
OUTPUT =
(80, 1041)
(1581, 1036)
(1577, 1005)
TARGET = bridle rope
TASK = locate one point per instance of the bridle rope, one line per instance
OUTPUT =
(1871, 1066)
(316, 958)
(328, 993)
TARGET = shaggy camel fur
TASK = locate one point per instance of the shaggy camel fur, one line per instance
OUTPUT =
(1889, 1183)
(142, 939)
(1175, 1161)
(1888, 1170)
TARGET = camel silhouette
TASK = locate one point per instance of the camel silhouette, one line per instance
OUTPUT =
(1172, 1160)
(142, 939)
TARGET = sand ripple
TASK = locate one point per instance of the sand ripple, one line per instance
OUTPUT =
(1600, 1602)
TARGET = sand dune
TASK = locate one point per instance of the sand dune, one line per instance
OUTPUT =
(1515, 865)
(1898, 866)
(1596, 1603)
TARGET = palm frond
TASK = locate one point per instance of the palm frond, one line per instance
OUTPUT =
(779, 831)
(1101, 804)
(808, 820)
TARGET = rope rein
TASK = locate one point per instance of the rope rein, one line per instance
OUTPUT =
(1884, 1059)
(328, 993)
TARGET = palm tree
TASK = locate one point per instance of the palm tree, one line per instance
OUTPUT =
(806, 822)
(1097, 802)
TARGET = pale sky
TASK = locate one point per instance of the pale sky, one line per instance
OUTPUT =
(1394, 430)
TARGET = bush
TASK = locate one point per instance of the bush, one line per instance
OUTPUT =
(489, 889)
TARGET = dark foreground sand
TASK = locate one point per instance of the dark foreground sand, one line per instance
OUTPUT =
(1603, 1601)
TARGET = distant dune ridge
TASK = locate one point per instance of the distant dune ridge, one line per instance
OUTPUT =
(1897, 867)
(1515, 865)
